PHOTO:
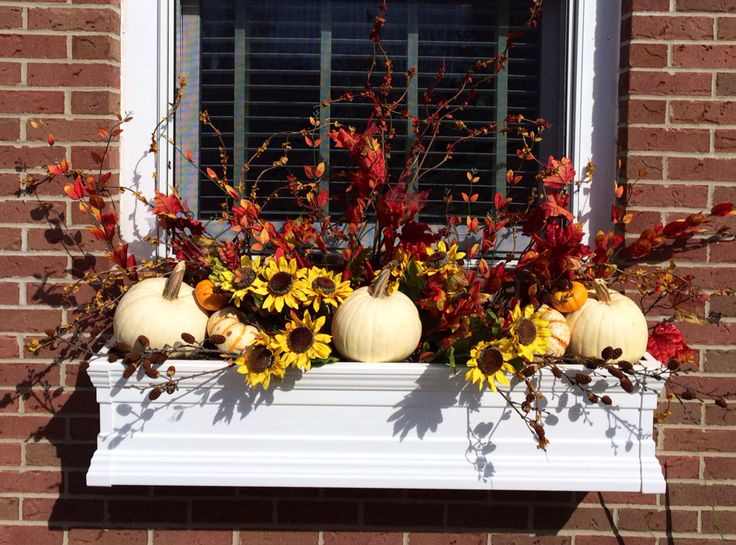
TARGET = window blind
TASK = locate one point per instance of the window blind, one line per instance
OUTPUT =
(265, 66)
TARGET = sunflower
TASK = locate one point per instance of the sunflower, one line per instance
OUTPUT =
(260, 362)
(240, 282)
(283, 284)
(322, 286)
(488, 363)
(301, 341)
(442, 259)
(529, 333)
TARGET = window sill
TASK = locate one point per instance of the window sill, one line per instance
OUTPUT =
(376, 425)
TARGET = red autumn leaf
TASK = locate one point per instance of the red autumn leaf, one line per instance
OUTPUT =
(723, 209)
(211, 174)
(62, 167)
(499, 201)
(75, 190)
(512, 178)
(167, 205)
(667, 343)
(107, 229)
(558, 173)
(103, 133)
(188, 155)
(51, 139)
(619, 191)
(102, 181)
(322, 199)
(121, 257)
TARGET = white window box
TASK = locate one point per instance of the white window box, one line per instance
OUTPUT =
(377, 425)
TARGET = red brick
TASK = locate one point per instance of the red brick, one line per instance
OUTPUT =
(95, 47)
(30, 535)
(704, 56)
(74, 130)
(73, 75)
(685, 196)
(79, 536)
(698, 440)
(651, 519)
(728, 6)
(686, 168)
(645, 5)
(87, 157)
(680, 467)
(672, 28)
(15, 374)
(645, 55)
(724, 305)
(32, 46)
(37, 266)
(9, 129)
(73, 403)
(643, 220)
(10, 239)
(427, 538)
(605, 540)
(726, 84)
(655, 139)
(11, 17)
(9, 293)
(643, 168)
(94, 20)
(10, 454)
(645, 111)
(693, 494)
(720, 468)
(719, 522)
(667, 84)
(95, 102)
(718, 416)
(362, 538)
(28, 157)
(147, 511)
(520, 539)
(44, 482)
(9, 509)
(698, 112)
(30, 212)
(193, 537)
(8, 347)
(727, 28)
(277, 538)
(725, 141)
(33, 102)
(583, 518)
(720, 361)
(29, 321)
(9, 73)
(68, 510)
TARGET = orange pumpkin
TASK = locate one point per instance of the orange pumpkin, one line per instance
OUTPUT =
(571, 299)
(207, 297)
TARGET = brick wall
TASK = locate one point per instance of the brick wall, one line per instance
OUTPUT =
(59, 74)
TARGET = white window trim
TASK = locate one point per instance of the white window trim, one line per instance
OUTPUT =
(148, 79)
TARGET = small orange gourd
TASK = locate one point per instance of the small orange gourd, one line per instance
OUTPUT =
(571, 299)
(207, 297)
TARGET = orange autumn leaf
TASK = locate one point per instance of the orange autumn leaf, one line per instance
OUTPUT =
(62, 167)
(75, 190)
(211, 174)
(619, 191)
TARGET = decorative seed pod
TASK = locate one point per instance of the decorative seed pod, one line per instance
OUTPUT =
(374, 326)
(609, 319)
(228, 324)
(559, 338)
(161, 310)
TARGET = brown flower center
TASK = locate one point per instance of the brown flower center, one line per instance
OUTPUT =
(280, 283)
(300, 339)
(437, 259)
(527, 331)
(244, 278)
(324, 285)
(259, 358)
(490, 361)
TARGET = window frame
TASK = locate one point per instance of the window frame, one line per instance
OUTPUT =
(148, 85)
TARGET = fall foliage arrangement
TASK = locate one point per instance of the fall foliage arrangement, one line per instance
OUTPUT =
(374, 283)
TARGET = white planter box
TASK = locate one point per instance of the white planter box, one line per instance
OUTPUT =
(376, 425)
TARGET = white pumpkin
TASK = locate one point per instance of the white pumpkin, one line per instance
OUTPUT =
(228, 323)
(609, 319)
(559, 338)
(161, 310)
(373, 326)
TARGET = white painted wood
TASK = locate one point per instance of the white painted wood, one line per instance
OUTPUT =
(147, 84)
(372, 425)
(594, 26)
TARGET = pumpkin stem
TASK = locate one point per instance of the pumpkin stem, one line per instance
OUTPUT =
(173, 284)
(379, 286)
(601, 291)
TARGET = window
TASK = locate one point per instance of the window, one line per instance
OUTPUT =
(158, 43)
(262, 67)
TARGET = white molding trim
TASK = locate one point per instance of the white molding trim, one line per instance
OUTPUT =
(148, 80)
(147, 86)
(369, 425)
(595, 30)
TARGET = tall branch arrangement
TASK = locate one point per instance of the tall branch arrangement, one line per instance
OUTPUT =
(377, 283)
